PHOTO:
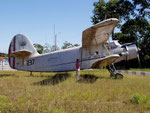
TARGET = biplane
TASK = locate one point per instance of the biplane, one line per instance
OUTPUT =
(96, 52)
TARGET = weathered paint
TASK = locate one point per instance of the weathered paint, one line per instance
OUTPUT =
(93, 53)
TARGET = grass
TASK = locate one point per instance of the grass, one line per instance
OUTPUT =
(60, 93)
(138, 99)
(139, 69)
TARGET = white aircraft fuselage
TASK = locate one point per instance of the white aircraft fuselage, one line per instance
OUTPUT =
(95, 52)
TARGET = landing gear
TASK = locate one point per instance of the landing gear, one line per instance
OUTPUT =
(113, 72)
(118, 76)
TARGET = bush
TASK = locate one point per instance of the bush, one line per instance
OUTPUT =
(138, 99)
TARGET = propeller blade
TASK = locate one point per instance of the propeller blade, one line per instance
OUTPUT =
(138, 57)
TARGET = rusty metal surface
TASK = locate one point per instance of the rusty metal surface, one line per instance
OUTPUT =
(99, 33)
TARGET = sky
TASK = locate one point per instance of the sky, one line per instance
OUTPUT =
(36, 20)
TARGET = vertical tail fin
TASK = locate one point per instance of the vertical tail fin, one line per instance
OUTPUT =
(20, 48)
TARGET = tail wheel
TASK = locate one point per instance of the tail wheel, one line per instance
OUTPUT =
(118, 76)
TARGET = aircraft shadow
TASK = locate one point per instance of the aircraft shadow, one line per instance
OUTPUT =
(48, 76)
(88, 78)
(7, 75)
(56, 79)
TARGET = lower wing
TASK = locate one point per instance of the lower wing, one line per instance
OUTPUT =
(103, 62)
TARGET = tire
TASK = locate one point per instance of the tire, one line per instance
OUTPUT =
(111, 75)
(118, 76)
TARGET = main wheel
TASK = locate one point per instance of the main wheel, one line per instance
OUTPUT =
(111, 75)
(118, 76)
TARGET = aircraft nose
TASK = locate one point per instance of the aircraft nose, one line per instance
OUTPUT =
(132, 51)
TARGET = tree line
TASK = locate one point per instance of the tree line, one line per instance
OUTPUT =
(46, 48)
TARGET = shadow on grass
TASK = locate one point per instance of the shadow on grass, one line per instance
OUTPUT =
(56, 79)
(7, 75)
(88, 78)
(48, 76)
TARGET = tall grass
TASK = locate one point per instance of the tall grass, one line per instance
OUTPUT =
(60, 93)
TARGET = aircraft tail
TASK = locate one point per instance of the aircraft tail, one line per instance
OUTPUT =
(19, 49)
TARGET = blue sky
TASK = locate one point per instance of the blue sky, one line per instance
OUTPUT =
(36, 19)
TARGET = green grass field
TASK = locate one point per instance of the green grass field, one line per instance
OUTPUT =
(60, 93)
(138, 69)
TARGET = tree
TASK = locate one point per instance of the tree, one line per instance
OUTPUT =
(121, 9)
(135, 25)
(132, 29)
(39, 48)
(3, 55)
(68, 45)
(142, 7)
(76, 45)
(54, 48)
(145, 48)
(46, 48)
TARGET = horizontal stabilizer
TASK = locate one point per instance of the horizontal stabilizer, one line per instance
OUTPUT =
(106, 61)
(20, 53)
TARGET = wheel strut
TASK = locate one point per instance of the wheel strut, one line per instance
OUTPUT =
(113, 72)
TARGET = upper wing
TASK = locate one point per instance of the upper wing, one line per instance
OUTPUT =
(98, 33)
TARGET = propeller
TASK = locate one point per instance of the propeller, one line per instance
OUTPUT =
(139, 61)
(138, 55)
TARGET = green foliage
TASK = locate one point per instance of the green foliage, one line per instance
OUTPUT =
(39, 48)
(68, 45)
(135, 18)
(48, 48)
(54, 48)
(137, 28)
(143, 7)
(59, 110)
(111, 9)
(3, 101)
(139, 99)
(121, 9)
(123, 38)
(4, 55)
(131, 29)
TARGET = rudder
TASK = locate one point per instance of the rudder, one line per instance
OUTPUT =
(20, 48)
